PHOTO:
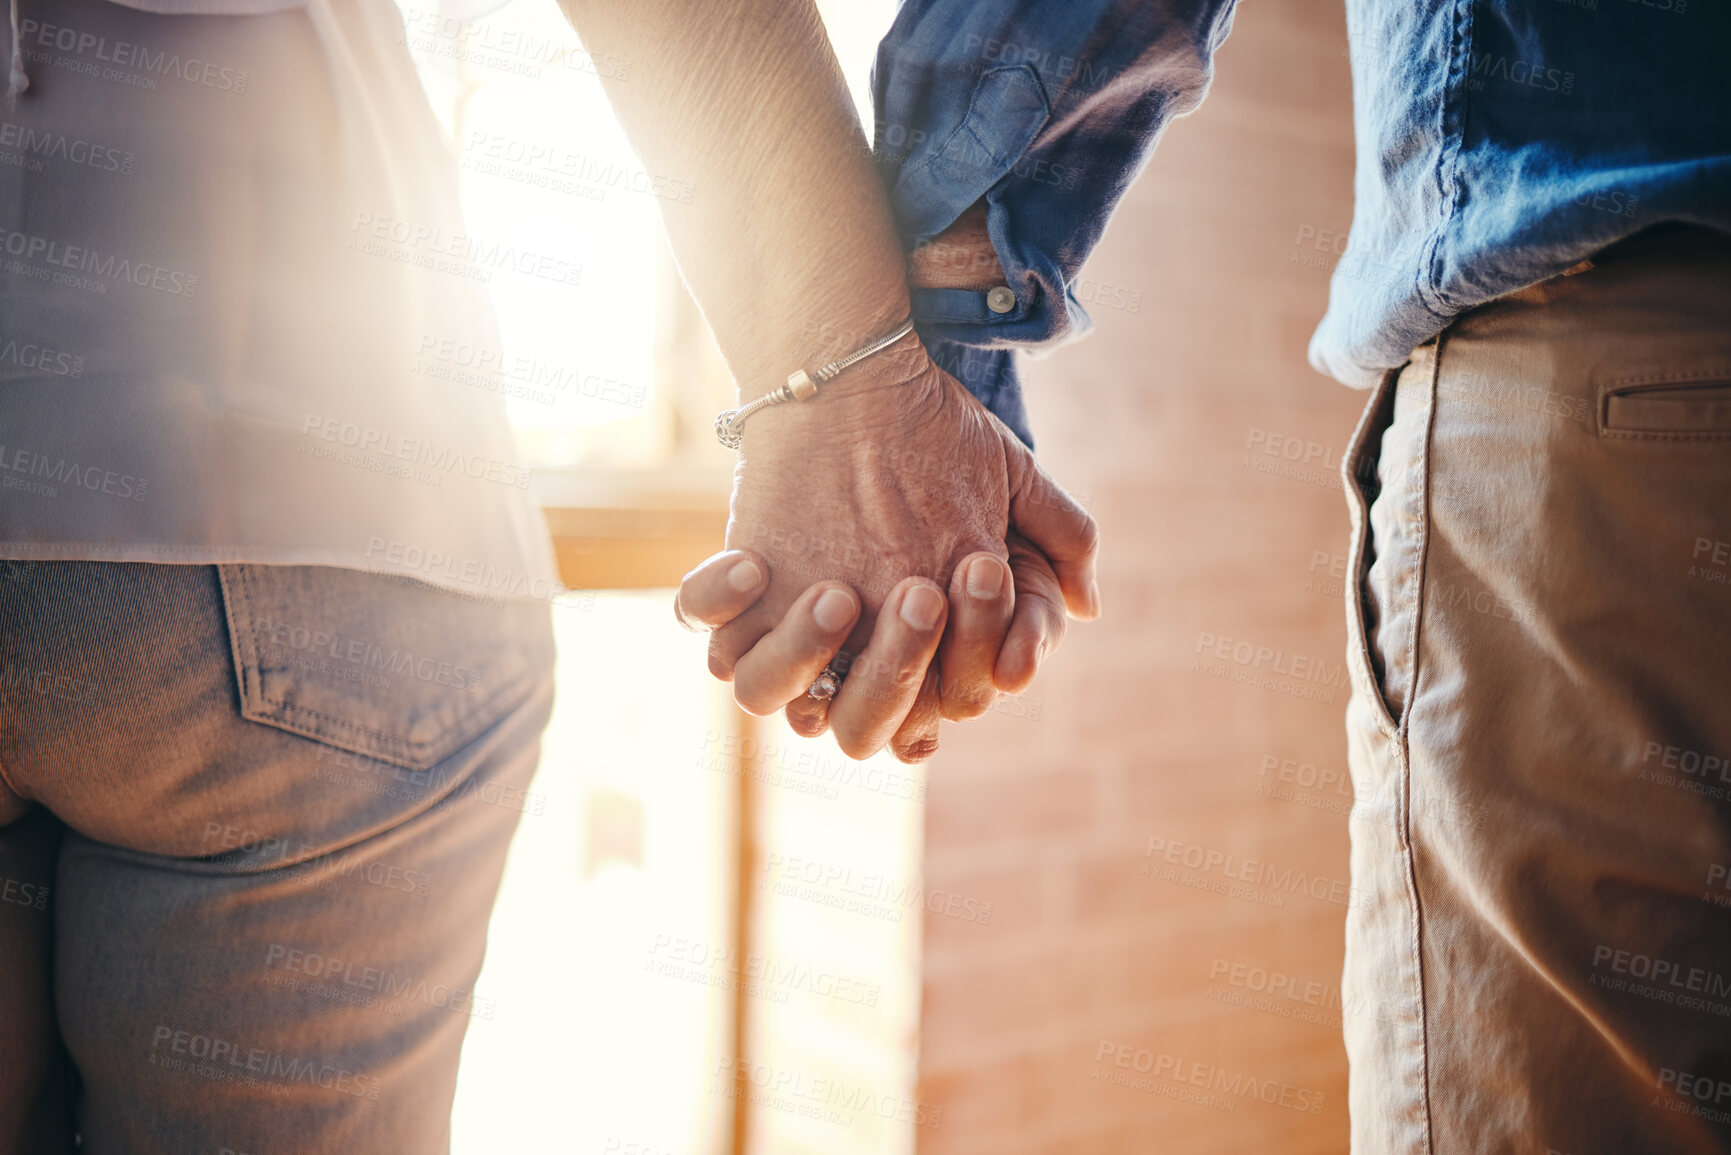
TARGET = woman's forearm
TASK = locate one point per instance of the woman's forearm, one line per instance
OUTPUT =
(786, 241)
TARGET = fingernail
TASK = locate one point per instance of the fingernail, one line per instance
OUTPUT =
(832, 610)
(745, 575)
(921, 606)
(985, 578)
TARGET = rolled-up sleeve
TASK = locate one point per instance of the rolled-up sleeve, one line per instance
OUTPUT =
(1046, 110)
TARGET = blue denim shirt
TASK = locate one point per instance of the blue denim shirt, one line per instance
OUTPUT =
(1499, 143)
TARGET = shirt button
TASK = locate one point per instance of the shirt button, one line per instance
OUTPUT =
(1000, 299)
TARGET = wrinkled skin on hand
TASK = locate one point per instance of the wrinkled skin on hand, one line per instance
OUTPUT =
(894, 471)
(897, 478)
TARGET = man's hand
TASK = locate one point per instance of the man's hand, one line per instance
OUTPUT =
(888, 482)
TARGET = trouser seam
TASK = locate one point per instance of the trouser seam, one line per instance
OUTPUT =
(1404, 743)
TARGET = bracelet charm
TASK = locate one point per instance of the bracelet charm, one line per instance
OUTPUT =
(801, 385)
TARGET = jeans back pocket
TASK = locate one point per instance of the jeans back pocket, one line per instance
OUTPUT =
(388, 667)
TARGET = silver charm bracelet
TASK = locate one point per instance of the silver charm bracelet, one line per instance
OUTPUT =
(730, 423)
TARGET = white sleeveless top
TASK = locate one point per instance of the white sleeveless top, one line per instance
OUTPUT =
(232, 265)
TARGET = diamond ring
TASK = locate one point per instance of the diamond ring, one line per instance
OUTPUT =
(826, 685)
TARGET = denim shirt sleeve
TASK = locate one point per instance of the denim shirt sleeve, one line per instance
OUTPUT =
(1047, 109)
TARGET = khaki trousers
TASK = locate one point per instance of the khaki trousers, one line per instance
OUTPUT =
(1539, 945)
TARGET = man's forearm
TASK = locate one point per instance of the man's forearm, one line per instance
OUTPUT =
(787, 241)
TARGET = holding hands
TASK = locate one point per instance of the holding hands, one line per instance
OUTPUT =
(893, 531)
(889, 528)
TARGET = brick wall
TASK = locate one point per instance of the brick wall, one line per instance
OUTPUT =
(1209, 452)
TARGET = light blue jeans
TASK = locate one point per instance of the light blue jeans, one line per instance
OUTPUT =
(252, 824)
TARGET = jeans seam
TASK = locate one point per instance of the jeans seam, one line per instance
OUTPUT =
(230, 596)
(6, 782)
(1404, 743)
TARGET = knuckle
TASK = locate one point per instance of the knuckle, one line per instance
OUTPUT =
(909, 674)
(1087, 534)
(1055, 627)
(686, 623)
(916, 749)
(684, 616)
(806, 721)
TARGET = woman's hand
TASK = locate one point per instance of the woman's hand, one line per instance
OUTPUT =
(897, 486)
